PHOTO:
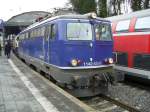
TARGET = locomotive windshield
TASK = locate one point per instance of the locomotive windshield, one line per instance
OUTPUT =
(103, 32)
(79, 31)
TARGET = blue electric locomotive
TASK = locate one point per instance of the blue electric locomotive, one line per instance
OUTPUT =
(75, 50)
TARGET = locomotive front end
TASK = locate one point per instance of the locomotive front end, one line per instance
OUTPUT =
(87, 56)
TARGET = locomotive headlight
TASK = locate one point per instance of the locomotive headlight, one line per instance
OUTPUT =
(93, 15)
(110, 61)
(74, 62)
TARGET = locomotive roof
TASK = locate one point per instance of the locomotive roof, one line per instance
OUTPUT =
(141, 13)
(71, 16)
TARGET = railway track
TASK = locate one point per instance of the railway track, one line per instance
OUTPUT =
(124, 97)
(103, 103)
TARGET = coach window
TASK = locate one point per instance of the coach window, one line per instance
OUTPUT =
(53, 31)
(143, 24)
(123, 26)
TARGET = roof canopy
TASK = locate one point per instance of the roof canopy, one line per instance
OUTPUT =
(26, 18)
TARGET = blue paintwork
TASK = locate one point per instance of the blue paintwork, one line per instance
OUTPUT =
(61, 51)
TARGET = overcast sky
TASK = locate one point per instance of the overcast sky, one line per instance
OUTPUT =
(10, 8)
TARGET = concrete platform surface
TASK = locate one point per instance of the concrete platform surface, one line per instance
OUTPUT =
(24, 90)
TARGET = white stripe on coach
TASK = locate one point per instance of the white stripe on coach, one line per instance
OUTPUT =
(48, 106)
(132, 33)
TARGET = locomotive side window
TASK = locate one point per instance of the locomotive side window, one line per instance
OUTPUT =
(42, 31)
(26, 35)
(47, 32)
(31, 34)
(123, 26)
(53, 31)
(103, 32)
(79, 31)
(143, 24)
(39, 32)
(22, 36)
(34, 33)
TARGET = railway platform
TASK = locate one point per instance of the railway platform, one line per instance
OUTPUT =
(24, 90)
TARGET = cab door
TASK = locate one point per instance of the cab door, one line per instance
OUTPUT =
(46, 43)
(53, 44)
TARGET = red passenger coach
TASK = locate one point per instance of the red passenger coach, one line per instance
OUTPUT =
(131, 34)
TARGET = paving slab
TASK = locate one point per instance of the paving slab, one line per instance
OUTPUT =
(24, 90)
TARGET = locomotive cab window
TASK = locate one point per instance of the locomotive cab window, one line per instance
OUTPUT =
(79, 31)
(123, 26)
(103, 32)
(143, 24)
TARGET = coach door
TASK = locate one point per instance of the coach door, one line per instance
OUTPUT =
(46, 43)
